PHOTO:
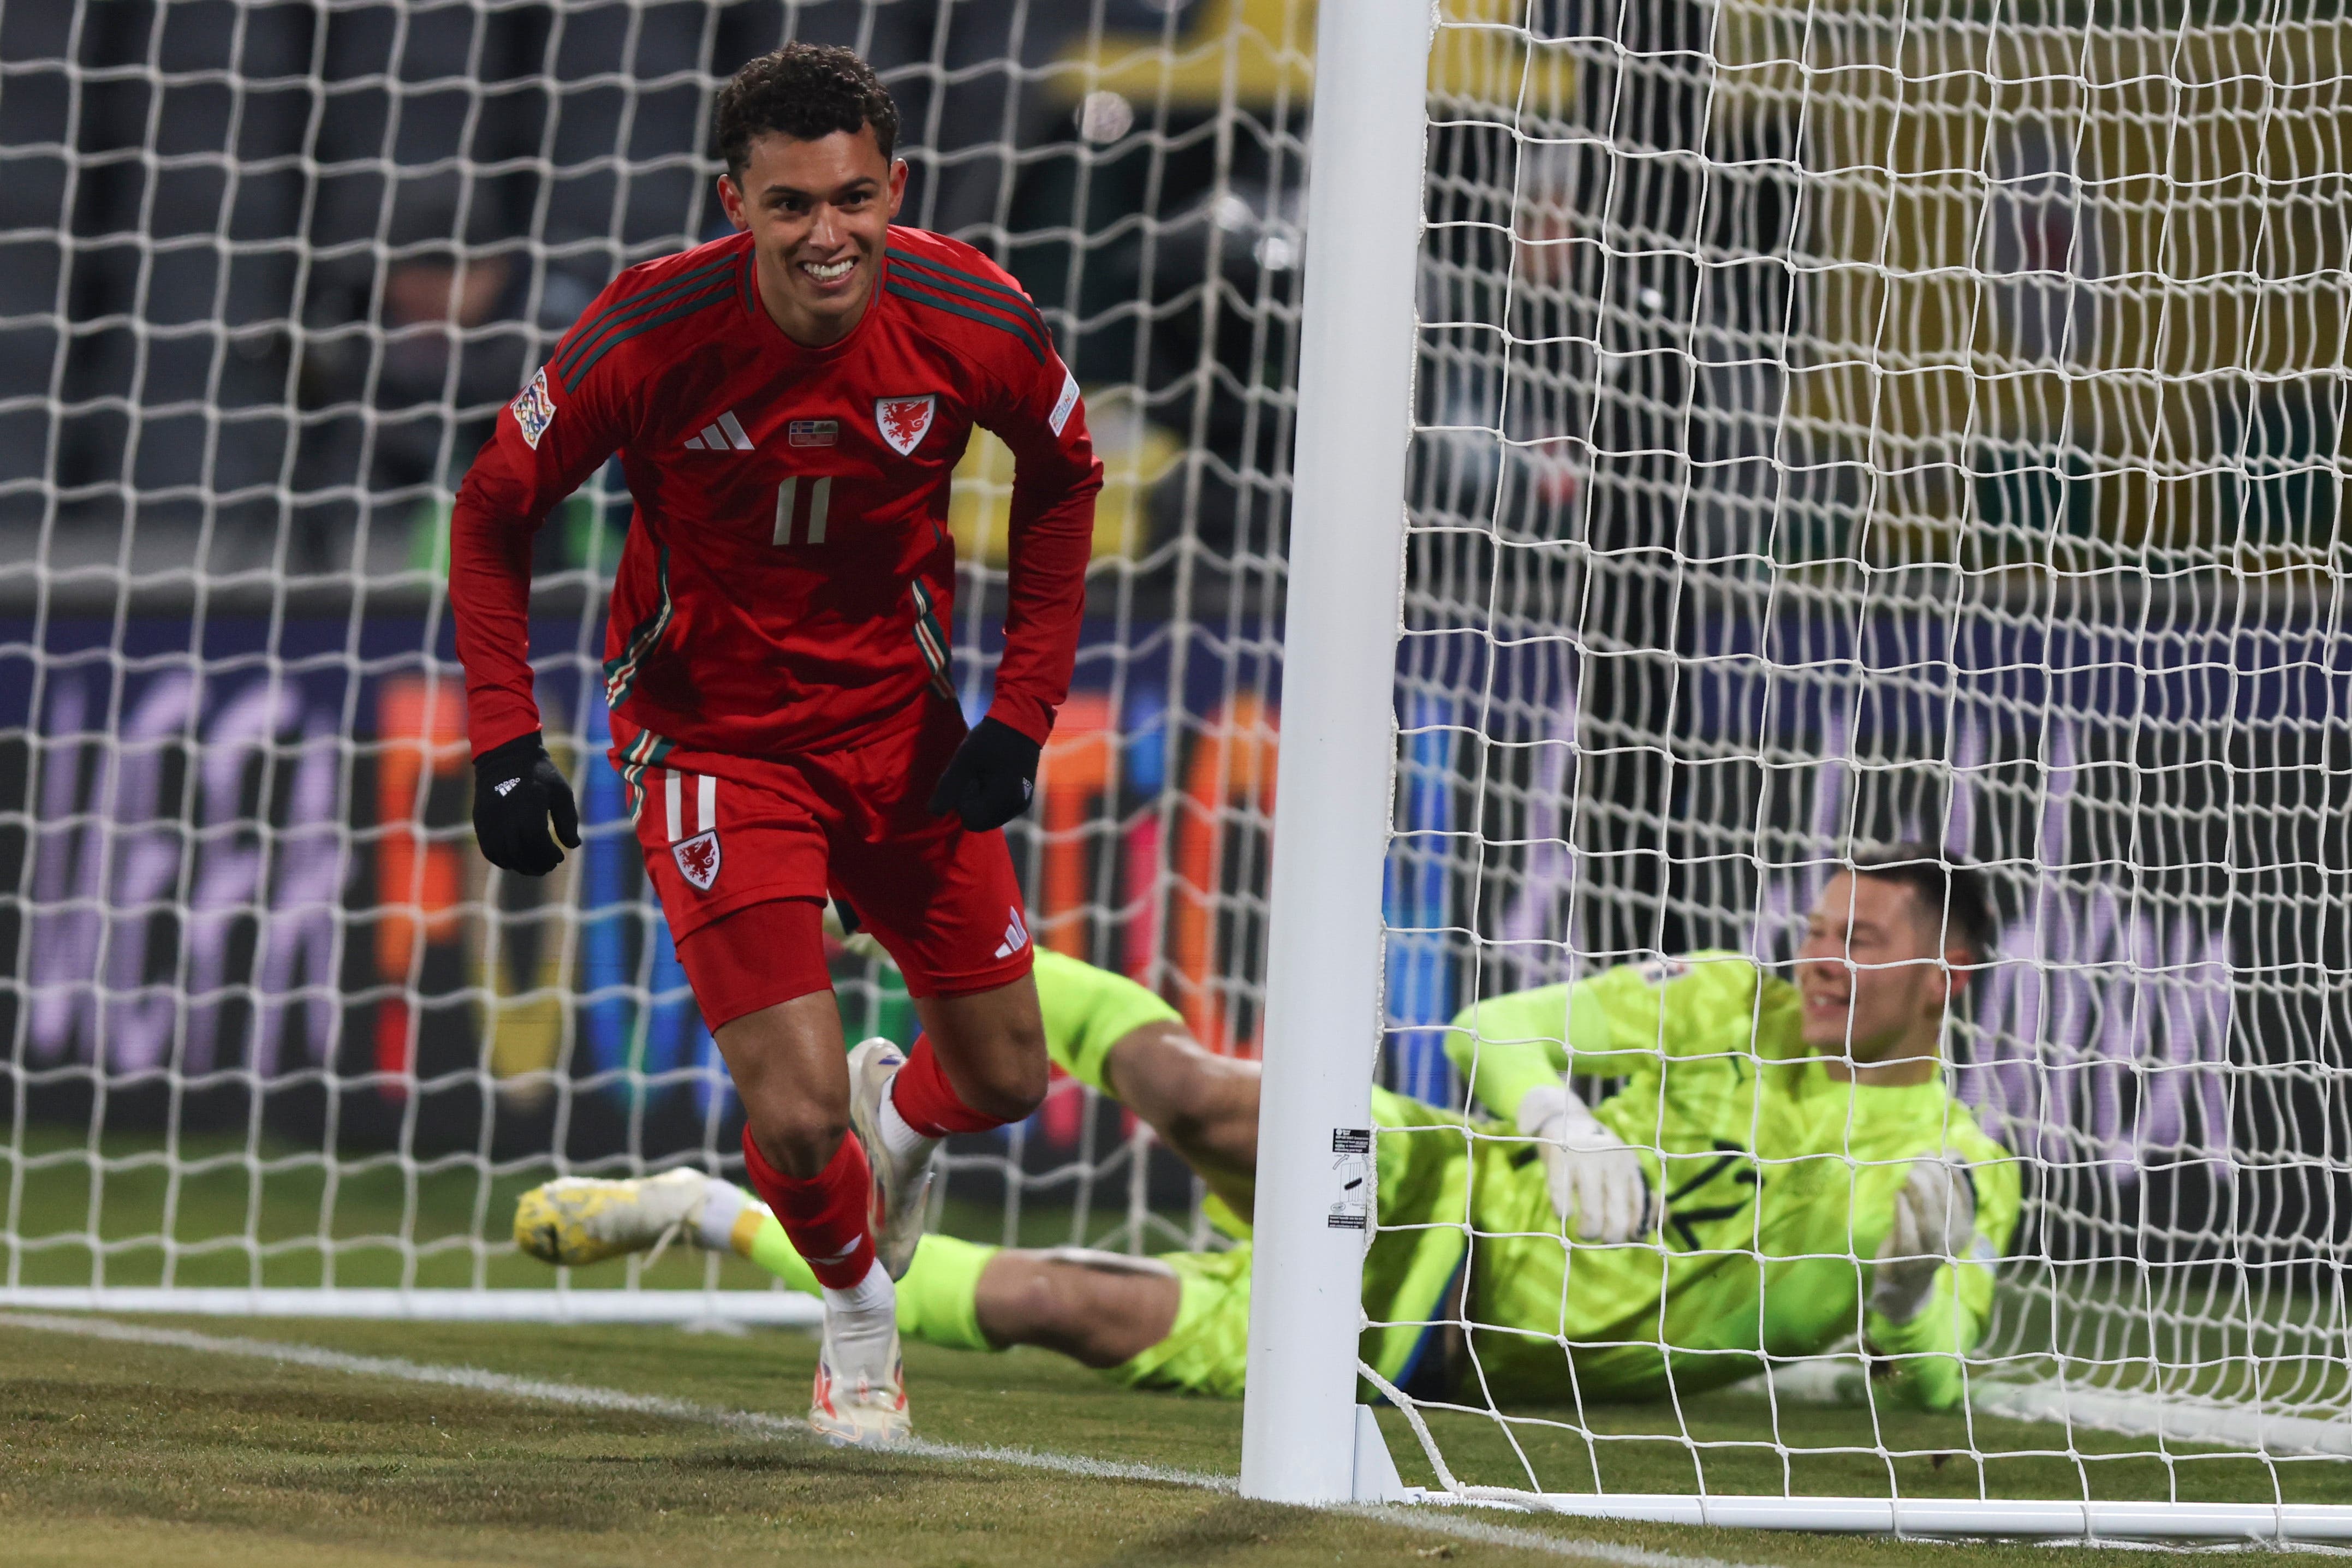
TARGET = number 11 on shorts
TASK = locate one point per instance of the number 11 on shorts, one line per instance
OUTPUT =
(820, 493)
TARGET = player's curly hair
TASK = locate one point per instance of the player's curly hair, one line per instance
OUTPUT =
(805, 91)
(1948, 886)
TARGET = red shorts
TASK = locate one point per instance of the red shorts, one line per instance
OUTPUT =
(721, 833)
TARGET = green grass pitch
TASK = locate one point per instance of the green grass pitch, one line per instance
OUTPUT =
(109, 1451)
(112, 1452)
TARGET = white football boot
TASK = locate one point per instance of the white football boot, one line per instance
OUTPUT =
(902, 1179)
(860, 1396)
(585, 1219)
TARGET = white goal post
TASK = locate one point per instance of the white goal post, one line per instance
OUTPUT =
(1784, 376)
(1333, 794)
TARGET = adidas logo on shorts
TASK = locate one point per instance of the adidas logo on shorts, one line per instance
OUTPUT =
(1016, 935)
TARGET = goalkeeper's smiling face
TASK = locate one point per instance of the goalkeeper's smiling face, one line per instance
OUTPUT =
(1874, 977)
(819, 214)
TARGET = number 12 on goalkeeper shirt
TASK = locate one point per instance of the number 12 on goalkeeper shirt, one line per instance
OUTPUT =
(807, 502)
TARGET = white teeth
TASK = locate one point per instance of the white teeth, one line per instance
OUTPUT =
(826, 272)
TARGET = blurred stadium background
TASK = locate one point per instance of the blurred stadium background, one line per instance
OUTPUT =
(267, 273)
(1863, 415)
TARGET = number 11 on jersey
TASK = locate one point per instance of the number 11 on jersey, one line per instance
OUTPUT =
(787, 497)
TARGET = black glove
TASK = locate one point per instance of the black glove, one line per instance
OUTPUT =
(989, 780)
(517, 787)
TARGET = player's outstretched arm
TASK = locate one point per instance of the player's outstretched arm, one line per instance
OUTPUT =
(1508, 1047)
(545, 446)
(1614, 1024)
(1107, 1031)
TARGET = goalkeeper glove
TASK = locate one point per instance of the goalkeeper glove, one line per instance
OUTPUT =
(517, 787)
(989, 780)
(1935, 1223)
(1594, 1175)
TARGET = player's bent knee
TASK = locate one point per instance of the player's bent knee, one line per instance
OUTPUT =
(1007, 1080)
(799, 1140)
(1063, 1305)
(1011, 1096)
(1020, 1302)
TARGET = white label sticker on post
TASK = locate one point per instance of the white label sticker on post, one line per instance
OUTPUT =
(1352, 1173)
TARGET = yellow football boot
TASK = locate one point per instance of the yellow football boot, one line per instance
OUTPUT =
(587, 1219)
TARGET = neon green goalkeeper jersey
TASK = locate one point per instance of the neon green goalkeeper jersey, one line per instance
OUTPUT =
(1778, 1185)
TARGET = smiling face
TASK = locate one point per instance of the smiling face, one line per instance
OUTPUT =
(1875, 973)
(819, 214)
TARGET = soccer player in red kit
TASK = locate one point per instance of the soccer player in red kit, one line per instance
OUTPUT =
(789, 403)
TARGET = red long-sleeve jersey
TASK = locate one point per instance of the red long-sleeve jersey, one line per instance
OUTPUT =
(789, 580)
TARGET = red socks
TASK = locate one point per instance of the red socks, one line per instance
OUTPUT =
(926, 1103)
(826, 1217)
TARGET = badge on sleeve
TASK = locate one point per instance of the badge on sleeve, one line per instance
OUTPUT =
(535, 410)
(905, 421)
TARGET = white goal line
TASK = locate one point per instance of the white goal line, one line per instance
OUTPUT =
(769, 1308)
(1815, 1380)
(2056, 1521)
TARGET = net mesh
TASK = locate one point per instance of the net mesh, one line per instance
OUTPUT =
(267, 272)
(1922, 422)
(1902, 420)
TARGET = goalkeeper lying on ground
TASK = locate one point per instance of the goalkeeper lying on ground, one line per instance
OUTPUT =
(1781, 1169)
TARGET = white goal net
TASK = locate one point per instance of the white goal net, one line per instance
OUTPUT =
(1919, 420)
(276, 1036)
(1887, 420)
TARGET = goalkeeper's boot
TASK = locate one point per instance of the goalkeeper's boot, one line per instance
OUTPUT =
(587, 1219)
(901, 1181)
(861, 1382)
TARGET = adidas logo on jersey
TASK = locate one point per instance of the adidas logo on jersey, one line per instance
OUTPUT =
(725, 432)
(1016, 935)
(505, 785)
